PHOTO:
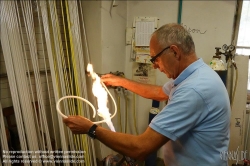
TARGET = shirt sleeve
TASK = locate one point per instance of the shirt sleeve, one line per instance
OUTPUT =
(180, 115)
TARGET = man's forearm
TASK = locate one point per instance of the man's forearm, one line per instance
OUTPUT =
(145, 90)
(136, 147)
(122, 143)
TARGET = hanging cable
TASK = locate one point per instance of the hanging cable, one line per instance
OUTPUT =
(119, 108)
(70, 86)
(78, 61)
(74, 17)
(10, 71)
(88, 61)
(134, 115)
(50, 50)
(71, 90)
(43, 127)
(22, 83)
(235, 85)
(62, 85)
(75, 61)
(46, 74)
(125, 92)
(18, 85)
(27, 69)
(3, 140)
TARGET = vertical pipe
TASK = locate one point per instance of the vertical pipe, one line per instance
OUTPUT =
(151, 160)
(179, 11)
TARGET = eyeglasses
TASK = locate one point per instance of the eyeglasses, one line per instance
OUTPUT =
(159, 54)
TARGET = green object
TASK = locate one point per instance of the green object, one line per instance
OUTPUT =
(180, 12)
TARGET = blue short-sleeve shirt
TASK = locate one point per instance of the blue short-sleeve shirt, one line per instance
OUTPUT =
(196, 118)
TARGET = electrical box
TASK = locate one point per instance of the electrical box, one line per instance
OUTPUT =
(129, 36)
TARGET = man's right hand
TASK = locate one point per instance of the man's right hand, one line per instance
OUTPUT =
(112, 80)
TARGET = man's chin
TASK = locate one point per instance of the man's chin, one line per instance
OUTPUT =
(167, 75)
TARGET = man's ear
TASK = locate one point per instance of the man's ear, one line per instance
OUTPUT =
(176, 51)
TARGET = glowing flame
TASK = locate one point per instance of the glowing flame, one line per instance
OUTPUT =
(102, 97)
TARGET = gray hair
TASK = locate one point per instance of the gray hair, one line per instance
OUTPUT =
(175, 34)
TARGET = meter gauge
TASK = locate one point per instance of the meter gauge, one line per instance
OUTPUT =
(225, 47)
(231, 47)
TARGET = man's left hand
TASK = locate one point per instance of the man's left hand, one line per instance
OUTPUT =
(78, 124)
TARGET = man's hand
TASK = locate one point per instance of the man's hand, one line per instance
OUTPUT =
(78, 124)
(112, 80)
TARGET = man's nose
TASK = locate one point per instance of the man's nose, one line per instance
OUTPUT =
(155, 66)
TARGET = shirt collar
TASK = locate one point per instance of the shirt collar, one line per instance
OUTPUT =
(188, 71)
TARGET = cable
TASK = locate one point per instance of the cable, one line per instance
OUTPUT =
(88, 60)
(10, 70)
(232, 62)
(50, 50)
(119, 109)
(22, 86)
(3, 140)
(27, 19)
(135, 115)
(73, 139)
(235, 86)
(126, 108)
(46, 73)
(30, 30)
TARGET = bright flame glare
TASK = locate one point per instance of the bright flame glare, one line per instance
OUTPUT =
(102, 97)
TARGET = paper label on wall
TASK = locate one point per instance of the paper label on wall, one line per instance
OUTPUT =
(143, 73)
(143, 32)
(144, 27)
(142, 55)
(143, 58)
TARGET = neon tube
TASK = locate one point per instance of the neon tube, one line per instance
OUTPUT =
(80, 98)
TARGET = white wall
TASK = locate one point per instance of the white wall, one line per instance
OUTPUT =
(106, 40)
(113, 36)
(92, 21)
(214, 17)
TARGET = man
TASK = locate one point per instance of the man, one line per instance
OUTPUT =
(193, 126)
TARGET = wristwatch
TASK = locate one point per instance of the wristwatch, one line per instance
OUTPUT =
(91, 132)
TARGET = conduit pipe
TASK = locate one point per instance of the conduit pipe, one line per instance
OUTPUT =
(27, 68)
(94, 110)
(180, 12)
(69, 83)
(29, 26)
(51, 64)
(10, 73)
(79, 72)
(4, 143)
(22, 85)
(46, 75)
